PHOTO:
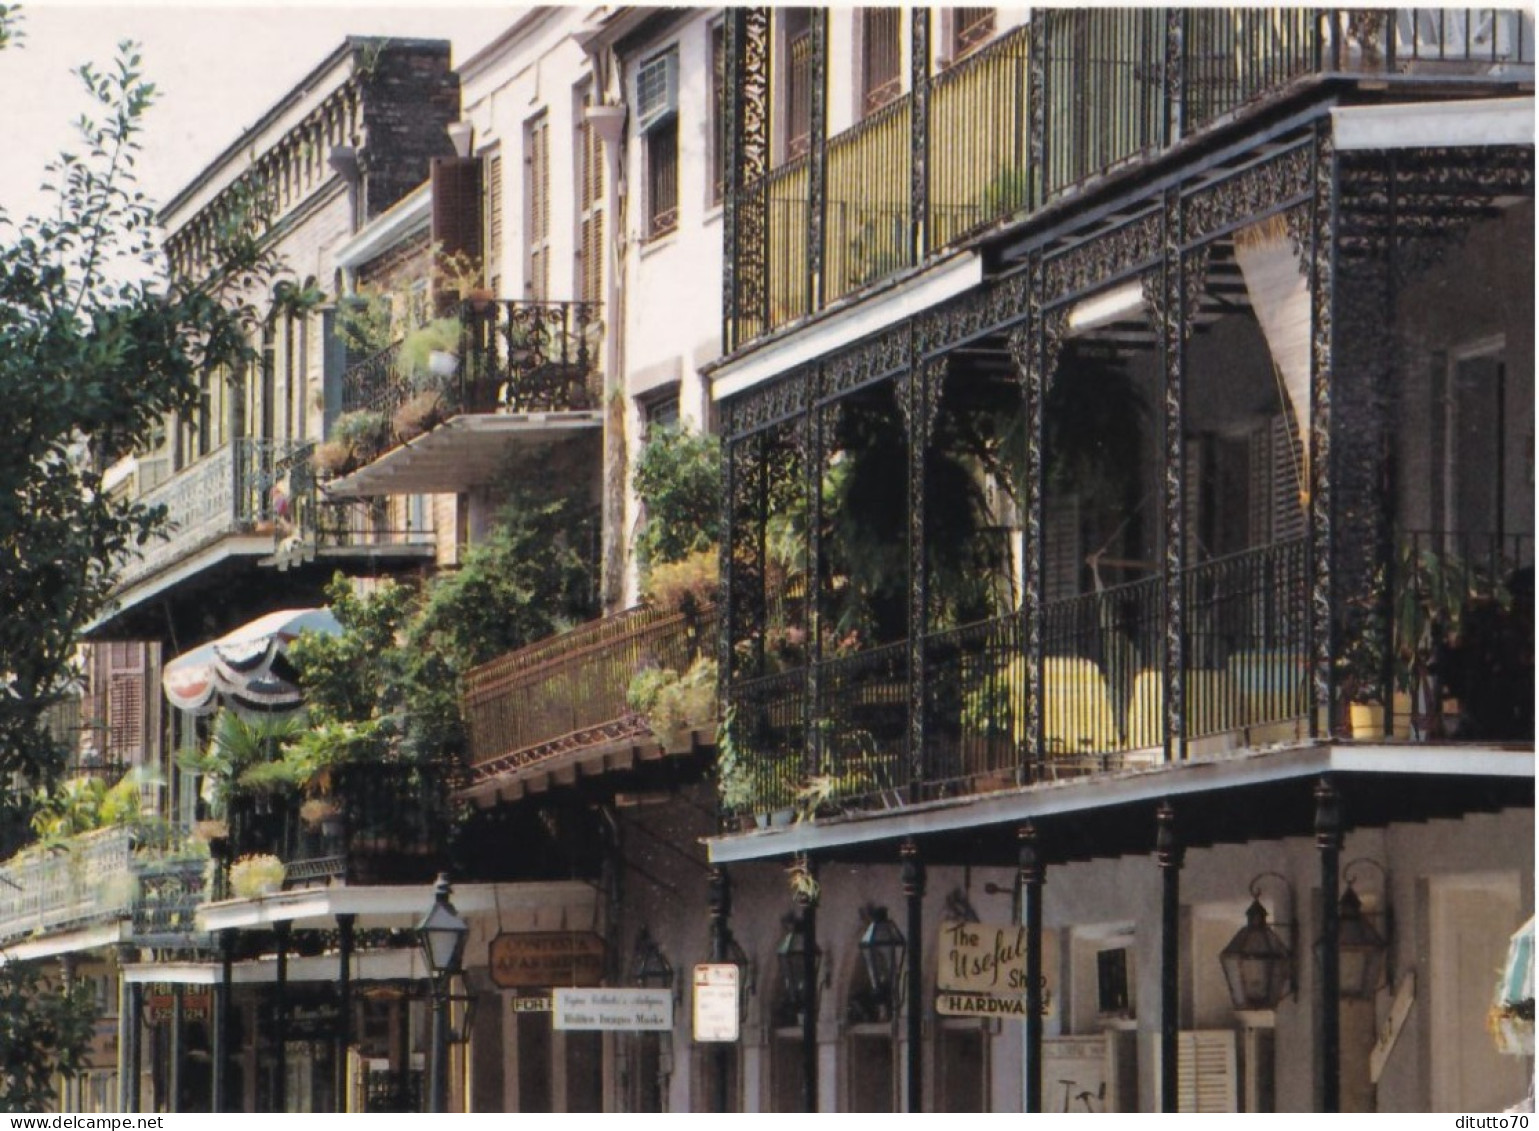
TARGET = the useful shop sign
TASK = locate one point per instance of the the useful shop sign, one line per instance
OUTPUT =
(982, 971)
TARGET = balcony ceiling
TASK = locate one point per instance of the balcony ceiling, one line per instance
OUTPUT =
(631, 758)
(467, 452)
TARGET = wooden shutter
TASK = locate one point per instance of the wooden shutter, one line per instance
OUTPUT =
(456, 221)
(493, 264)
(537, 229)
(1206, 1072)
(881, 57)
(125, 692)
(590, 209)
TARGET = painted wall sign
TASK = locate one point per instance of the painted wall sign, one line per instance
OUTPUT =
(625, 1010)
(546, 958)
(716, 1001)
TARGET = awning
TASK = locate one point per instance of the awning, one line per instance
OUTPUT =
(249, 667)
(1421, 125)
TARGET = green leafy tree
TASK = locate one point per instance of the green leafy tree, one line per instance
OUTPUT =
(97, 346)
(678, 477)
(44, 1032)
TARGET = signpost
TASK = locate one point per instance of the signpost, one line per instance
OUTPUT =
(625, 1010)
(716, 1001)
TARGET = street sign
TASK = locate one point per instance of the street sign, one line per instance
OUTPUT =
(625, 1010)
(546, 958)
(716, 1001)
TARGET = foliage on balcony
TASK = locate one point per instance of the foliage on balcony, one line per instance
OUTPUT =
(678, 480)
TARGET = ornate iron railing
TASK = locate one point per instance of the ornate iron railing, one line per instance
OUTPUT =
(570, 691)
(165, 908)
(382, 823)
(1115, 84)
(241, 488)
(86, 879)
(1100, 696)
(1442, 643)
(319, 522)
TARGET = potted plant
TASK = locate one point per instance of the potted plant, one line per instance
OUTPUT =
(252, 877)
(420, 413)
(363, 432)
(333, 457)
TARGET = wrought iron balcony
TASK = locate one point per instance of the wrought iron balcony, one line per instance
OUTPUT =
(241, 489)
(935, 167)
(143, 876)
(523, 371)
(317, 525)
(568, 694)
(380, 823)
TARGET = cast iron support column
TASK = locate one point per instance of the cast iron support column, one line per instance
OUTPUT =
(719, 899)
(913, 892)
(1328, 841)
(125, 1013)
(817, 157)
(131, 1083)
(919, 132)
(1032, 873)
(222, 1042)
(1170, 854)
(281, 1021)
(173, 1101)
(69, 1095)
(811, 1006)
(344, 1005)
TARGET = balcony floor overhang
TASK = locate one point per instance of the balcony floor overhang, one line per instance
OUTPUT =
(575, 758)
(230, 555)
(403, 964)
(465, 452)
(1222, 799)
(1426, 125)
(66, 942)
(403, 905)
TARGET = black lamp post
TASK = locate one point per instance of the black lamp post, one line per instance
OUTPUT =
(882, 947)
(441, 935)
(1258, 964)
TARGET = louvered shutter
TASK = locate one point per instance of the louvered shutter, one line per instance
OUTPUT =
(125, 702)
(1206, 1072)
(456, 220)
(537, 235)
(1288, 487)
(590, 210)
(1061, 549)
(493, 262)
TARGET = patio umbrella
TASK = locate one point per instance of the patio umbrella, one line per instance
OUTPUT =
(248, 667)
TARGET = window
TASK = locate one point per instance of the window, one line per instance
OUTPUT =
(719, 123)
(657, 97)
(590, 205)
(798, 74)
(537, 194)
(961, 1059)
(881, 57)
(971, 28)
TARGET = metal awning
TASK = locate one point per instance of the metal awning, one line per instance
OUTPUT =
(1426, 125)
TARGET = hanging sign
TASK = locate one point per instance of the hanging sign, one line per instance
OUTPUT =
(981, 970)
(546, 958)
(626, 1010)
(716, 1001)
(532, 1003)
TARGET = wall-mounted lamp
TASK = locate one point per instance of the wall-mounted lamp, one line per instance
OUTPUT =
(650, 968)
(1258, 963)
(882, 947)
(462, 135)
(791, 953)
(1364, 947)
